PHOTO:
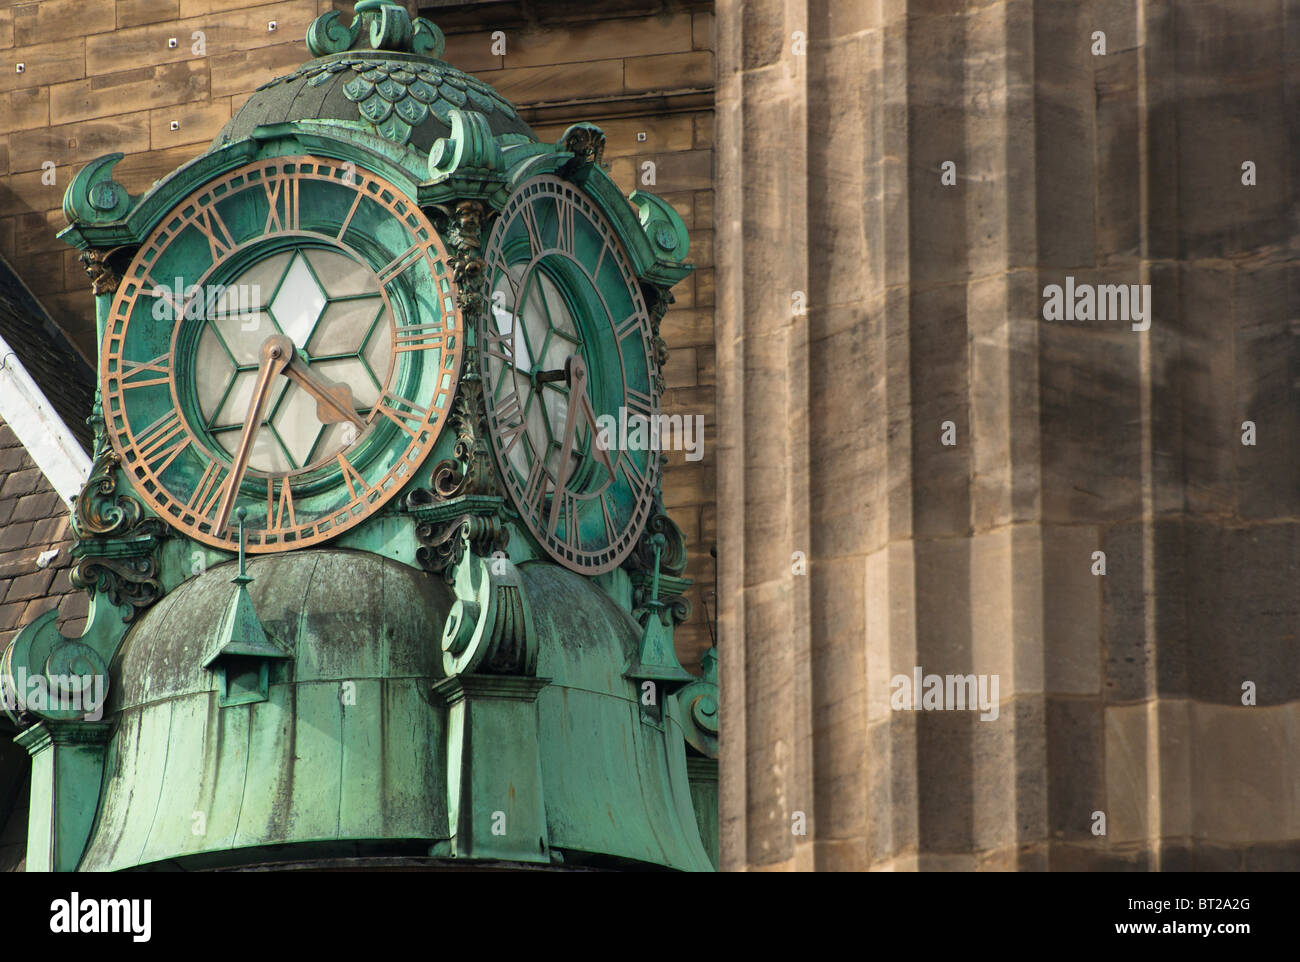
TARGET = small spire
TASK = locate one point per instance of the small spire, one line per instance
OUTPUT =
(656, 659)
(657, 541)
(240, 631)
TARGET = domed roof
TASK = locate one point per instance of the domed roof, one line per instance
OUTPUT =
(399, 89)
(339, 614)
(344, 750)
(346, 755)
(401, 97)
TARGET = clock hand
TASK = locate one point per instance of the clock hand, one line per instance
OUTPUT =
(335, 398)
(276, 352)
(579, 404)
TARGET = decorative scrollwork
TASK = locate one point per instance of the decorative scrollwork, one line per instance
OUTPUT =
(99, 511)
(474, 522)
(94, 197)
(700, 699)
(672, 558)
(469, 471)
(384, 23)
(116, 541)
(130, 581)
(489, 629)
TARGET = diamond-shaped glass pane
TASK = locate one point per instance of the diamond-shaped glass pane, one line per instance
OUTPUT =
(253, 288)
(341, 275)
(344, 325)
(379, 350)
(235, 408)
(352, 372)
(213, 372)
(296, 422)
(298, 303)
(243, 334)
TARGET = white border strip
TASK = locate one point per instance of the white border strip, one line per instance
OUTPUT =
(40, 430)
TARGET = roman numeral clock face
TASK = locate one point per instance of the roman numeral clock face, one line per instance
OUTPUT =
(286, 341)
(567, 357)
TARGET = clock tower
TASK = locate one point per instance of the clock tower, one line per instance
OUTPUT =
(372, 581)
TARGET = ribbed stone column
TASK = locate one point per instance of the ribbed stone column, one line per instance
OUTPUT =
(1119, 693)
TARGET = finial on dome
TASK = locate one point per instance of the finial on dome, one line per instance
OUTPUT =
(242, 578)
(384, 24)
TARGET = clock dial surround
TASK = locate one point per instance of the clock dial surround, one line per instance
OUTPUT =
(341, 249)
(566, 350)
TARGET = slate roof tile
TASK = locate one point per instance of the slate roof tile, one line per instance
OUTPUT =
(67, 381)
(33, 519)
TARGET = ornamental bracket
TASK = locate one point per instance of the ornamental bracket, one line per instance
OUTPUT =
(489, 630)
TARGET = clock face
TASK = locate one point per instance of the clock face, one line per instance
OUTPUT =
(286, 341)
(567, 357)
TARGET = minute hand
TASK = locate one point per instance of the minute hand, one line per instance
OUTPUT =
(579, 404)
(275, 354)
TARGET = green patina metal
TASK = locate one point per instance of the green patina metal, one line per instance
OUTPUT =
(241, 653)
(430, 683)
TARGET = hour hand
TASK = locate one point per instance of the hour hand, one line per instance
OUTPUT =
(333, 399)
(579, 407)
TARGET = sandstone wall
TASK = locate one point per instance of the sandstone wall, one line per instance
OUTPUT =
(1120, 694)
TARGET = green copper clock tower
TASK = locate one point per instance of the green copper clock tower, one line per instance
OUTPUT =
(370, 584)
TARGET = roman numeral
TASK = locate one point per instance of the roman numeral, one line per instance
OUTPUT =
(564, 226)
(611, 531)
(347, 221)
(136, 373)
(279, 509)
(282, 200)
(400, 263)
(154, 289)
(500, 346)
(210, 224)
(510, 422)
(499, 272)
(207, 494)
(638, 403)
(630, 323)
(568, 511)
(535, 487)
(394, 408)
(529, 218)
(353, 478)
(632, 472)
(160, 443)
(418, 337)
(595, 274)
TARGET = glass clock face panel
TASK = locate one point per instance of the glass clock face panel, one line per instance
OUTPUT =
(287, 341)
(332, 308)
(566, 350)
